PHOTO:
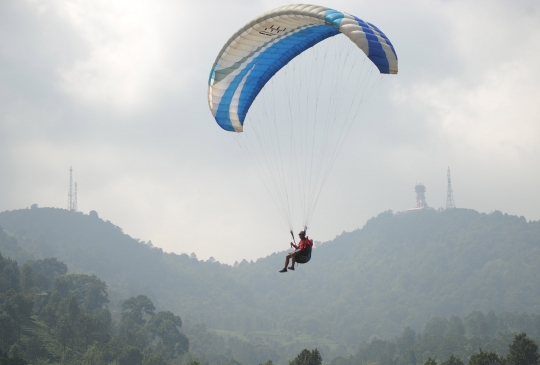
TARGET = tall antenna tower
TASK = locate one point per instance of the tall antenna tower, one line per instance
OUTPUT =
(420, 196)
(72, 195)
(449, 193)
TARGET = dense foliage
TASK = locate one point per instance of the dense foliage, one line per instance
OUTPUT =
(402, 270)
(450, 343)
(398, 271)
(70, 323)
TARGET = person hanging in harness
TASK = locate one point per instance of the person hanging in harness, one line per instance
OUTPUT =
(302, 254)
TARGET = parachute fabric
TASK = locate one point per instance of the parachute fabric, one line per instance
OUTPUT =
(298, 123)
(266, 44)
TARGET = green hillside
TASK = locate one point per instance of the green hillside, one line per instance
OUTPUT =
(401, 270)
(91, 246)
(48, 316)
(398, 270)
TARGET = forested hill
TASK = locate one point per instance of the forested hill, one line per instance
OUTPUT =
(398, 270)
(404, 269)
(89, 245)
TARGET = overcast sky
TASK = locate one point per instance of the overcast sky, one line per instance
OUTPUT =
(117, 89)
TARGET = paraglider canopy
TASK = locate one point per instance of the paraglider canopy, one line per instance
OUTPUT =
(263, 46)
(297, 118)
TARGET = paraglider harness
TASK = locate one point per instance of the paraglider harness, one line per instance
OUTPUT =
(302, 259)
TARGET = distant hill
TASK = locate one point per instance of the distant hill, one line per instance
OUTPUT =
(404, 269)
(397, 270)
(89, 245)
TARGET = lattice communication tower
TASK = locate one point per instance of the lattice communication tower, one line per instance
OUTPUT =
(72, 193)
(449, 193)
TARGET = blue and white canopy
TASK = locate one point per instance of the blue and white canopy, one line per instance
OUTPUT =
(262, 47)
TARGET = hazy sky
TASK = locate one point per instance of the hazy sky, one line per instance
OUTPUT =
(117, 89)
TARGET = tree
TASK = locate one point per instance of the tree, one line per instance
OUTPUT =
(103, 323)
(34, 349)
(18, 306)
(476, 324)
(96, 296)
(408, 358)
(64, 331)
(455, 326)
(485, 358)
(200, 340)
(48, 315)
(430, 361)
(16, 351)
(86, 329)
(47, 270)
(93, 356)
(131, 356)
(27, 278)
(95, 328)
(72, 317)
(41, 282)
(5, 360)
(73, 309)
(7, 331)
(154, 359)
(135, 309)
(113, 350)
(381, 351)
(172, 343)
(306, 357)
(408, 338)
(523, 351)
(69, 358)
(452, 360)
(9, 274)
(90, 291)
(436, 326)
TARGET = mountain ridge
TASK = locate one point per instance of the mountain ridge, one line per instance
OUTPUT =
(398, 270)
